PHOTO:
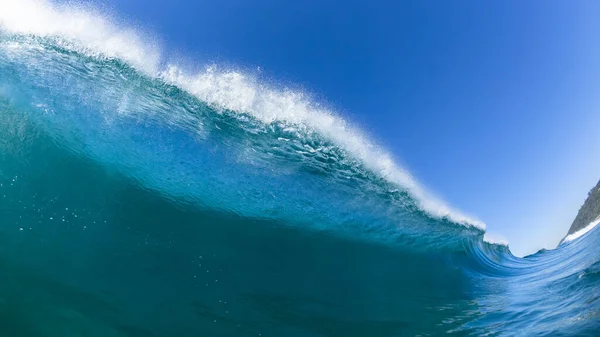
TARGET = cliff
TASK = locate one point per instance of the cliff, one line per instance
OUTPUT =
(589, 211)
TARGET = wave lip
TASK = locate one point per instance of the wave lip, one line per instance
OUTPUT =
(237, 92)
(94, 34)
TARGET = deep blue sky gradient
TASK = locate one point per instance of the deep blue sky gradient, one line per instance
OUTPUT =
(492, 105)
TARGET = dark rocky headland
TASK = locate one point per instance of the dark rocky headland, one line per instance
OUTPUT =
(589, 211)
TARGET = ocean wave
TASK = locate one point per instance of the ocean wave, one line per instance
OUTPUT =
(163, 202)
(87, 31)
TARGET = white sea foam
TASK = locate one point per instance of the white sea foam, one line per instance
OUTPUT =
(495, 239)
(83, 25)
(582, 231)
(97, 34)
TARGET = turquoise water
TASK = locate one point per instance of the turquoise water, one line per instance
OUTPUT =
(142, 205)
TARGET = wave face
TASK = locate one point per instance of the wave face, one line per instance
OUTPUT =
(139, 200)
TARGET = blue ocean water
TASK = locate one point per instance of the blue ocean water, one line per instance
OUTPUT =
(137, 200)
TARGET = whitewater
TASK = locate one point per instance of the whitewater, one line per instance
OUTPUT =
(143, 199)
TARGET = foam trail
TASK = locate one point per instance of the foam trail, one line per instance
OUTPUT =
(582, 231)
(87, 31)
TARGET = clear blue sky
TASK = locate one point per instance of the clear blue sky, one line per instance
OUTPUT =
(493, 105)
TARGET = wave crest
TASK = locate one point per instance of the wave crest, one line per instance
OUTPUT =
(88, 31)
